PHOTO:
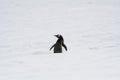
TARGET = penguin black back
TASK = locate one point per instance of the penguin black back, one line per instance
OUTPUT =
(58, 45)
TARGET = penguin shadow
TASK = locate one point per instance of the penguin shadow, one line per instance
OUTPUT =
(44, 53)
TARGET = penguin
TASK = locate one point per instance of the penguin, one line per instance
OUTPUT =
(58, 45)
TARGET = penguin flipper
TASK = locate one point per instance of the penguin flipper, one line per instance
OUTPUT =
(64, 46)
(52, 46)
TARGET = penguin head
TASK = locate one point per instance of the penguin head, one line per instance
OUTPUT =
(58, 35)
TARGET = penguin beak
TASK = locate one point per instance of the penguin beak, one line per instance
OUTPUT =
(55, 35)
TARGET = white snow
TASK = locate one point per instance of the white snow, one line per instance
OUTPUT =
(91, 29)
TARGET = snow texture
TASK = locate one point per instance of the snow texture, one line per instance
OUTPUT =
(91, 29)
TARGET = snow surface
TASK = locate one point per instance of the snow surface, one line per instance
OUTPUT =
(91, 29)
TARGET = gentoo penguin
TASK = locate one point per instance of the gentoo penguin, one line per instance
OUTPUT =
(58, 45)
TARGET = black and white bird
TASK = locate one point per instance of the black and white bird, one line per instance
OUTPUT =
(58, 45)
